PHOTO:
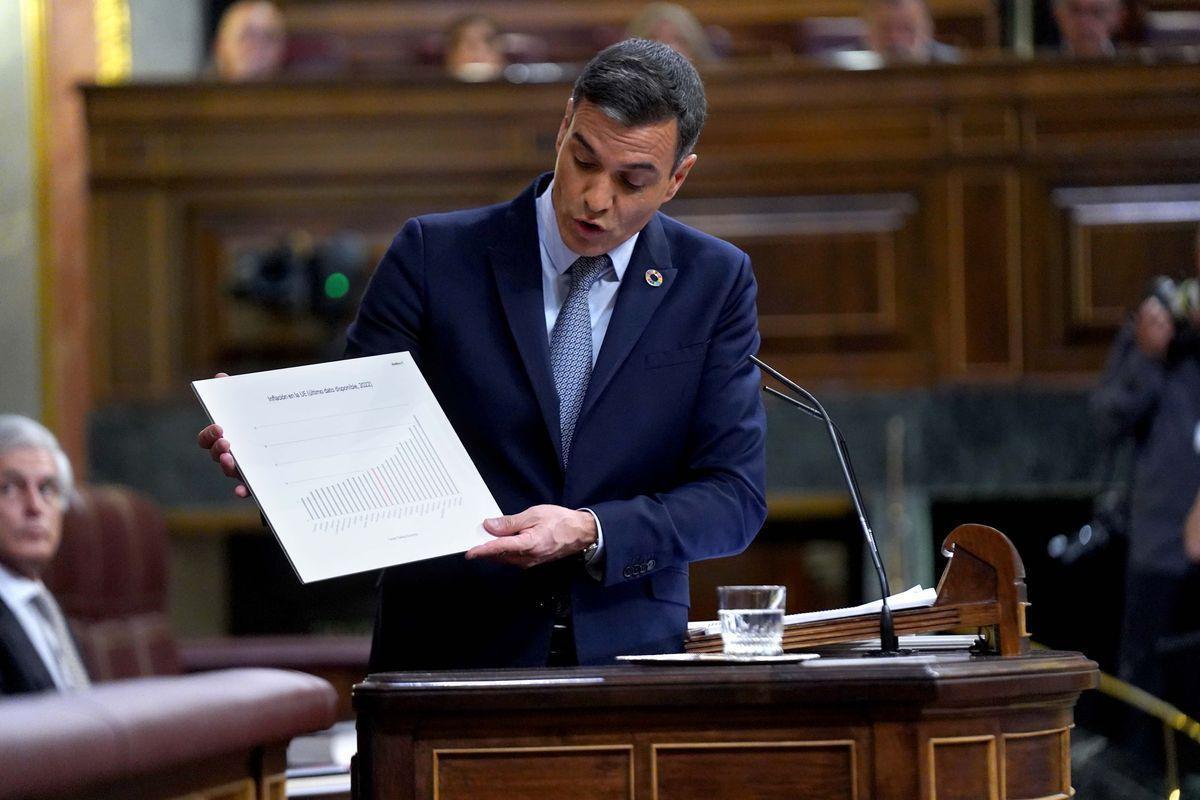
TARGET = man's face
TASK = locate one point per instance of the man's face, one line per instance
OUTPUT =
(1087, 26)
(609, 180)
(31, 509)
(900, 31)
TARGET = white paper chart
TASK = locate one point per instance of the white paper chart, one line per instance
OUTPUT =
(353, 463)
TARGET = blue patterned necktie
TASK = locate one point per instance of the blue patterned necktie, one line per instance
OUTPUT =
(571, 346)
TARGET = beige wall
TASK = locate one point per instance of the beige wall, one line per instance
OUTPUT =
(20, 359)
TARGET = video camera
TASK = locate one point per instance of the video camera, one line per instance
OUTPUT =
(301, 276)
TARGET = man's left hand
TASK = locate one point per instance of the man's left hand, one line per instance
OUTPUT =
(536, 535)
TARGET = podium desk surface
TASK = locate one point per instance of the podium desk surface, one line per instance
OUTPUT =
(939, 679)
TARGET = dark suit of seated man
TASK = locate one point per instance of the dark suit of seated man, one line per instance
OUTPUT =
(36, 650)
(591, 354)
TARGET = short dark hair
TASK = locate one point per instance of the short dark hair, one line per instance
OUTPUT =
(637, 82)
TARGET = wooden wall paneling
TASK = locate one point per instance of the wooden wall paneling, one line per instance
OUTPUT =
(1100, 247)
(1036, 764)
(983, 272)
(839, 278)
(132, 275)
(587, 772)
(813, 769)
(1119, 237)
(1118, 125)
(963, 768)
(909, 221)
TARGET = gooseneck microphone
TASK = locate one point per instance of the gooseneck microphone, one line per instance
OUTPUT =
(889, 644)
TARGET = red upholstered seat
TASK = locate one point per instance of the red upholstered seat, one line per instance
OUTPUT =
(110, 577)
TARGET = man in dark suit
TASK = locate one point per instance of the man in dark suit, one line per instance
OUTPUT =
(606, 397)
(36, 651)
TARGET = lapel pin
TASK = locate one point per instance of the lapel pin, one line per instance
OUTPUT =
(653, 277)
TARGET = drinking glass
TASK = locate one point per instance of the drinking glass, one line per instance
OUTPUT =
(752, 619)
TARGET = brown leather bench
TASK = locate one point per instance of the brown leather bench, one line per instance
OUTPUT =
(213, 735)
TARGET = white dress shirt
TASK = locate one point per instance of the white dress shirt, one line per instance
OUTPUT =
(557, 258)
(18, 592)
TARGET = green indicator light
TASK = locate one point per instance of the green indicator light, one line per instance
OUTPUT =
(336, 286)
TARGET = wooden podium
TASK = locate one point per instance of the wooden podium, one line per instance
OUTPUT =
(949, 726)
(936, 727)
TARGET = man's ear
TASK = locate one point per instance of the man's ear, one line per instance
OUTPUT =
(565, 125)
(679, 176)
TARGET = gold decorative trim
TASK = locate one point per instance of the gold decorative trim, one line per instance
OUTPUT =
(1016, 286)
(956, 273)
(274, 787)
(114, 45)
(993, 771)
(1065, 791)
(33, 33)
(1082, 301)
(849, 743)
(566, 748)
(241, 789)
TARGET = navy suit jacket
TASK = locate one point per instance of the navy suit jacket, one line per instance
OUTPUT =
(21, 668)
(668, 450)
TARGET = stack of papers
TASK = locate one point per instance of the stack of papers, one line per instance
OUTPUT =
(916, 597)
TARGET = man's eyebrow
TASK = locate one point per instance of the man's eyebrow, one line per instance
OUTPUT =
(646, 165)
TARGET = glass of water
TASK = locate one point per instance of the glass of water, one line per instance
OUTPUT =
(752, 619)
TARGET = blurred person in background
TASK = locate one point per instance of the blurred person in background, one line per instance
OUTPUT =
(37, 652)
(901, 32)
(1150, 394)
(673, 25)
(1086, 27)
(250, 42)
(473, 51)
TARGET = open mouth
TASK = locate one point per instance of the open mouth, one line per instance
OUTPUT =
(588, 228)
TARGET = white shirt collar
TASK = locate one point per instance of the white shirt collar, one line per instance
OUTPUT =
(17, 590)
(561, 256)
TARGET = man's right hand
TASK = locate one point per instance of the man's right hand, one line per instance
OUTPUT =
(1154, 328)
(213, 440)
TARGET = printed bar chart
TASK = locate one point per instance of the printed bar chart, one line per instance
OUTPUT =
(412, 479)
(354, 463)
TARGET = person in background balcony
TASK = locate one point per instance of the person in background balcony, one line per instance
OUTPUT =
(250, 42)
(673, 25)
(1087, 26)
(473, 52)
(901, 32)
(37, 652)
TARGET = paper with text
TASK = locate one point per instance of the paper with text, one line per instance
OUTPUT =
(353, 463)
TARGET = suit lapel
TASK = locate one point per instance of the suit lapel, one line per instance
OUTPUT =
(517, 266)
(22, 655)
(637, 301)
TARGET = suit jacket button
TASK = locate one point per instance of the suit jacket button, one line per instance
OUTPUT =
(650, 565)
(627, 572)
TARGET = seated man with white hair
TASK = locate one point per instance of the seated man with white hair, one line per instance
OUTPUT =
(37, 652)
